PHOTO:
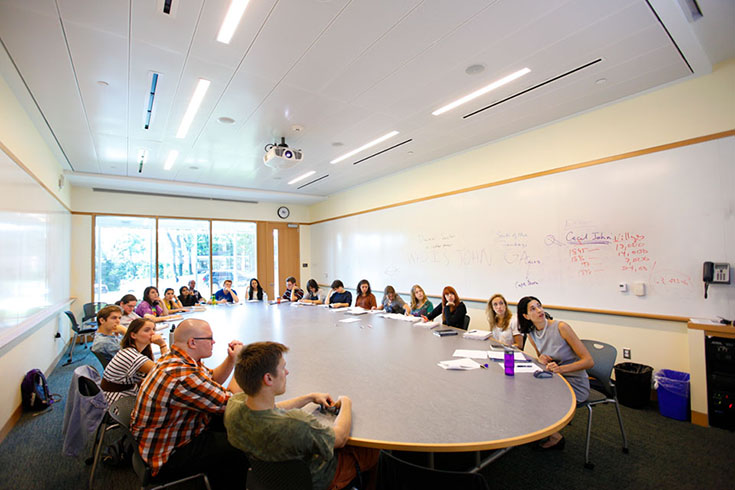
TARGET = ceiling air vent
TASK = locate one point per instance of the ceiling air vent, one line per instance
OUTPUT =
(313, 181)
(383, 151)
(522, 92)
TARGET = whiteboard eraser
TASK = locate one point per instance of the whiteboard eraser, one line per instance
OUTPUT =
(639, 288)
(623, 287)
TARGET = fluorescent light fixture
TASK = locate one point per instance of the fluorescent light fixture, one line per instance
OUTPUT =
(194, 103)
(170, 159)
(232, 19)
(482, 91)
(364, 147)
(142, 156)
(302, 177)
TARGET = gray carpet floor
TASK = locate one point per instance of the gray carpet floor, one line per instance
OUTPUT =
(664, 453)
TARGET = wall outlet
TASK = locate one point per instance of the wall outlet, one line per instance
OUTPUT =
(626, 353)
(623, 287)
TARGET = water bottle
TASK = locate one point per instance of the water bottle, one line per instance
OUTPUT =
(214, 300)
(510, 362)
(171, 336)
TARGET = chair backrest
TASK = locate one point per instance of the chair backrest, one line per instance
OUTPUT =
(91, 309)
(73, 320)
(466, 322)
(103, 359)
(396, 474)
(87, 387)
(604, 356)
(280, 475)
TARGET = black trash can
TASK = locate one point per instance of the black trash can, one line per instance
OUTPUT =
(633, 384)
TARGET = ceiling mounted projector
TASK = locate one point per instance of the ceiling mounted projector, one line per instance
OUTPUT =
(280, 156)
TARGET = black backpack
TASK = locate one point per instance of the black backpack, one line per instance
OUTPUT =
(34, 392)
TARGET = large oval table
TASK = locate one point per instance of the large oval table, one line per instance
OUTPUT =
(401, 398)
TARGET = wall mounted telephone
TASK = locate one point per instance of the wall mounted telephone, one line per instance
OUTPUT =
(715, 273)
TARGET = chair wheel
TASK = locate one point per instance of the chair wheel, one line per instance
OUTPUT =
(625, 450)
(589, 466)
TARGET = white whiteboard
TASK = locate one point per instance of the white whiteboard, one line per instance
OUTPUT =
(35, 232)
(568, 238)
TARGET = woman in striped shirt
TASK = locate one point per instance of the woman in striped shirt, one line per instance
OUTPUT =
(127, 369)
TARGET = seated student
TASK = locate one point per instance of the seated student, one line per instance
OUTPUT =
(312, 294)
(293, 292)
(559, 349)
(270, 431)
(392, 302)
(195, 293)
(152, 307)
(173, 305)
(186, 298)
(451, 308)
(338, 297)
(226, 294)
(107, 338)
(177, 419)
(503, 325)
(420, 304)
(128, 304)
(133, 361)
(255, 291)
(365, 298)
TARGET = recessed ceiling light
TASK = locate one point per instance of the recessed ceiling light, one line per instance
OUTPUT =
(232, 19)
(601, 81)
(170, 159)
(338, 143)
(226, 120)
(193, 167)
(410, 152)
(191, 110)
(302, 177)
(297, 128)
(482, 91)
(474, 69)
(102, 83)
(276, 178)
(364, 147)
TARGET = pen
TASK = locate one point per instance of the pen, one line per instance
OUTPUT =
(484, 366)
(524, 365)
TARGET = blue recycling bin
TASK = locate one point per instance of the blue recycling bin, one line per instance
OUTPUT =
(673, 393)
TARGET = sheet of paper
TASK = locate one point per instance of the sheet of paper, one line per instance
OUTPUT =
(477, 334)
(523, 367)
(500, 355)
(349, 320)
(426, 324)
(474, 354)
(460, 364)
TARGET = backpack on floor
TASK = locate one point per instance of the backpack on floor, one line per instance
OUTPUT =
(34, 392)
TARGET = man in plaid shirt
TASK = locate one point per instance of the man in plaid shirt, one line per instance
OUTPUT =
(177, 419)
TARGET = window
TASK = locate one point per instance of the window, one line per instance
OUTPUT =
(233, 254)
(125, 257)
(183, 254)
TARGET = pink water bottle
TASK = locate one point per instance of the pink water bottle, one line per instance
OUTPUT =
(509, 360)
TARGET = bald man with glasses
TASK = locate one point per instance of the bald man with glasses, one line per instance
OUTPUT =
(177, 419)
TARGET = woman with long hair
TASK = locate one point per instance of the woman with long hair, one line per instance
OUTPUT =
(255, 291)
(452, 310)
(365, 297)
(503, 325)
(133, 361)
(172, 303)
(392, 302)
(152, 307)
(558, 349)
(420, 304)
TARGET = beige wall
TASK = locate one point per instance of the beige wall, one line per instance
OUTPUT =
(697, 107)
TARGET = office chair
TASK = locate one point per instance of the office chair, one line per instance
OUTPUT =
(602, 389)
(120, 412)
(78, 331)
(396, 474)
(466, 322)
(103, 359)
(281, 475)
(90, 312)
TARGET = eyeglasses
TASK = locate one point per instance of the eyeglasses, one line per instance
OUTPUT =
(211, 339)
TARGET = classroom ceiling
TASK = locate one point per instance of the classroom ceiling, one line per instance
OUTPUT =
(329, 76)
